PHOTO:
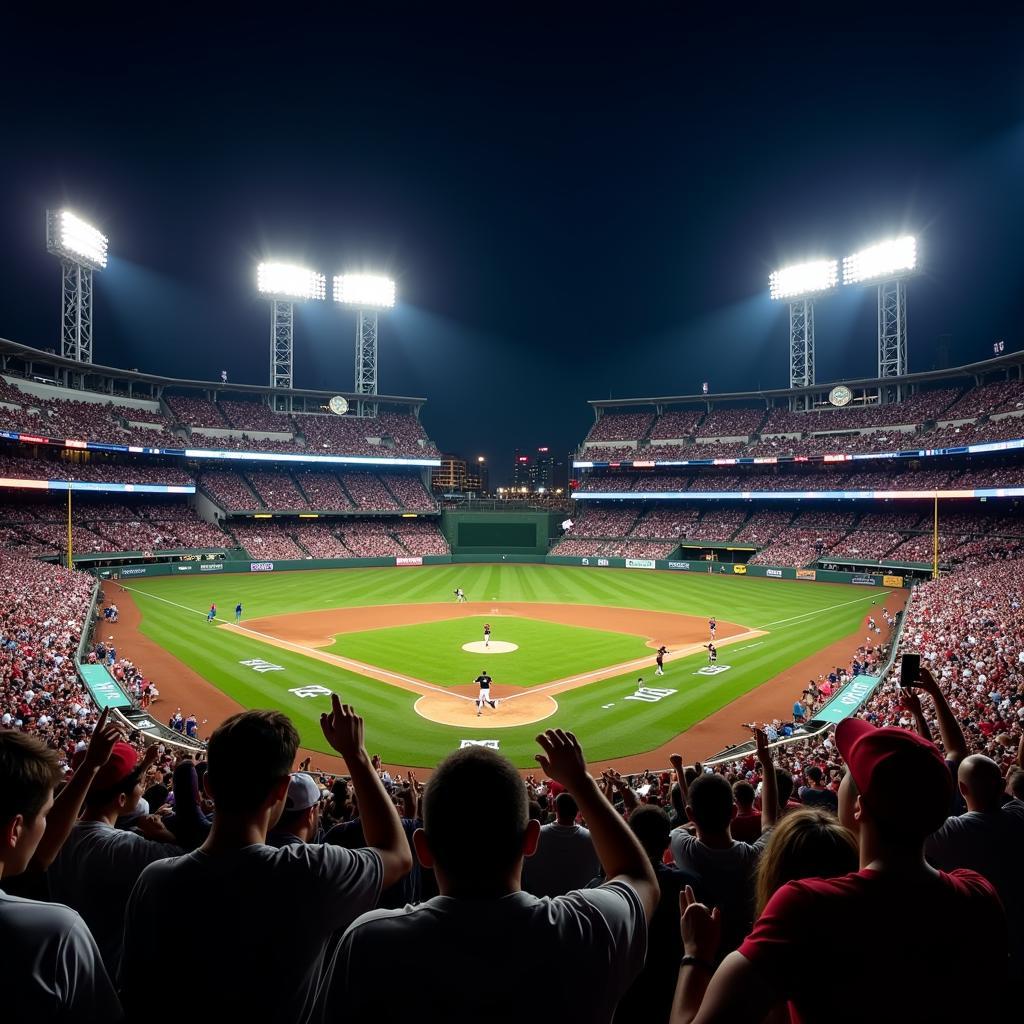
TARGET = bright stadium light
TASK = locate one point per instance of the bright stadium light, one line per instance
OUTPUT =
(290, 282)
(881, 262)
(69, 236)
(81, 249)
(803, 279)
(364, 290)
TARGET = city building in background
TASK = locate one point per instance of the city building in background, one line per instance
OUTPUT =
(450, 475)
(520, 470)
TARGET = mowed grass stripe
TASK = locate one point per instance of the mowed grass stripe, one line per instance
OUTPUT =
(394, 729)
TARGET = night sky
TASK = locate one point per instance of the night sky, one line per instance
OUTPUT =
(573, 206)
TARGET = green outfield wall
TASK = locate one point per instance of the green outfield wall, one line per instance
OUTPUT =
(481, 536)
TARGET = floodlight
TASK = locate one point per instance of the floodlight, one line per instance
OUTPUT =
(289, 282)
(69, 236)
(803, 279)
(364, 290)
(881, 262)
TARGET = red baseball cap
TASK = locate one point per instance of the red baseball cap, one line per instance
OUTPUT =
(902, 778)
(121, 763)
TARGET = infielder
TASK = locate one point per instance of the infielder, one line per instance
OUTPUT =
(484, 682)
(487, 634)
(212, 613)
(460, 594)
(238, 613)
(712, 626)
(660, 659)
(712, 653)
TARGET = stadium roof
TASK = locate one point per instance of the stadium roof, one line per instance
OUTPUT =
(1000, 363)
(12, 351)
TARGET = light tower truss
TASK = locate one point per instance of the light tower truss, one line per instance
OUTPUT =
(801, 343)
(282, 334)
(76, 311)
(892, 336)
(366, 361)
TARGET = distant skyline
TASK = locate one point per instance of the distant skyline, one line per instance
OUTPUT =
(573, 206)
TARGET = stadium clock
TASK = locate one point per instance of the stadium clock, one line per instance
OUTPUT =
(840, 395)
(338, 405)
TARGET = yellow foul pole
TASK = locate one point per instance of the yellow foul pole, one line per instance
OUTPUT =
(71, 564)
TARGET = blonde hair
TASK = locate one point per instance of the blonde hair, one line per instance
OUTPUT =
(808, 843)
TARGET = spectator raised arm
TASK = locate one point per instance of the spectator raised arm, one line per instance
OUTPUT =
(382, 828)
(618, 849)
(949, 728)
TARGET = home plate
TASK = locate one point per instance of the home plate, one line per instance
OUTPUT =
(494, 647)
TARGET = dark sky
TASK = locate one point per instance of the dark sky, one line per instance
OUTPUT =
(574, 205)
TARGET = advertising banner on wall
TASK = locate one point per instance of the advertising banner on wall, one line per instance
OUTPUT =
(806, 574)
(740, 570)
(261, 567)
(892, 581)
(409, 561)
(685, 566)
(640, 563)
(776, 574)
(867, 581)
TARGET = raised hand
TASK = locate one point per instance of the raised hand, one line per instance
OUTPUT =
(910, 701)
(343, 729)
(700, 927)
(562, 759)
(761, 738)
(101, 745)
(927, 681)
(676, 760)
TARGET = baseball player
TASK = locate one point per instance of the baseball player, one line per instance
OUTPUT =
(712, 626)
(712, 653)
(212, 613)
(660, 659)
(238, 613)
(460, 595)
(487, 634)
(484, 682)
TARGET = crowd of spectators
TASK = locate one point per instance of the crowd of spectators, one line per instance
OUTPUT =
(323, 490)
(195, 412)
(387, 435)
(1000, 396)
(676, 424)
(369, 492)
(254, 416)
(616, 521)
(229, 490)
(731, 423)
(266, 540)
(371, 538)
(620, 426)
(94, 468)
(409, 492)
(681, 894)
(276, 489)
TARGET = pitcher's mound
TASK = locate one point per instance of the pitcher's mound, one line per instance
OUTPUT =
(495, 647)
(450, 709)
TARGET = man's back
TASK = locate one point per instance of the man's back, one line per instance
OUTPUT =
(268, 914)
(991, 843)
(50, 968)
(565, 860)
(95, 872)
(462, 954)
(934, 941)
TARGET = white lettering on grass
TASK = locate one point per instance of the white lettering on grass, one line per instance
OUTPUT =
(650, 694)
(259, 665)
(313, 690)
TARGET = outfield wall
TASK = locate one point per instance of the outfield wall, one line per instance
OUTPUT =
(196, 568)
(486, 536)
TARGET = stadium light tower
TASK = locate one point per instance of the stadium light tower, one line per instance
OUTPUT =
(82, 249)
(799, 284)
(368, 293)
(889, 263)
(285, 284)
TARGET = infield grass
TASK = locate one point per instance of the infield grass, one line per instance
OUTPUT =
(800, 618)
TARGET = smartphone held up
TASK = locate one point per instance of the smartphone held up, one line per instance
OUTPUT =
(910, 669)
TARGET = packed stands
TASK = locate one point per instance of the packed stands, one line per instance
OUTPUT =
(323, 490)
(620, 426)
(605, 522)
(350, 435)
(1001, 396)
(420, 537)
(229, 490)
(195, 412)
(675, 424)
(673, 521)
(94, 469)
(266, 539)
(409, 492)
(368, 492)
(731, 423)
(371, 538)
(253, 416)
(276, 490)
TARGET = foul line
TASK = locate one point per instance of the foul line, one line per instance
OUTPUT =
(360, 668)
(831, 608)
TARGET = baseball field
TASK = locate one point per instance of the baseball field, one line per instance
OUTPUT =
(570, 647)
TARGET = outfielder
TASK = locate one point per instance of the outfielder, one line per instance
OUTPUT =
(484, 682)
(460, 594)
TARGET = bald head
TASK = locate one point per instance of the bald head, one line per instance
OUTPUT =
(981, 783)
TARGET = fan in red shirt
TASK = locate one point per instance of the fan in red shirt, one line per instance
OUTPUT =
(928, 945)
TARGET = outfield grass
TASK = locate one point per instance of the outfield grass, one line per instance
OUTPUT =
(432, 651)
(800, 617)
